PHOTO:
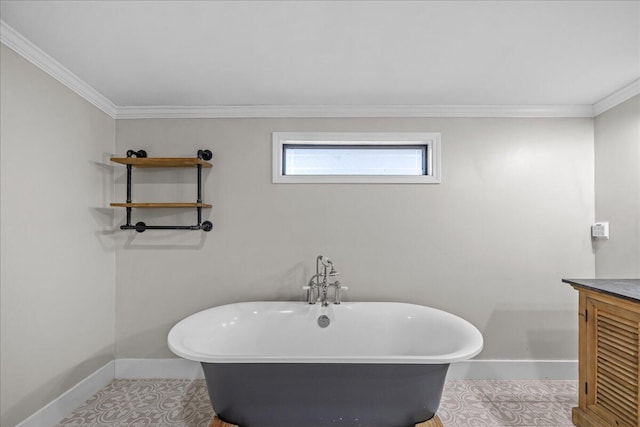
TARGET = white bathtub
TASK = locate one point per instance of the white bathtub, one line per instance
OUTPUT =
(376, 364)
(359, 332)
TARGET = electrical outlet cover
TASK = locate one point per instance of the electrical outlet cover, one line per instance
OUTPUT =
(600, 230)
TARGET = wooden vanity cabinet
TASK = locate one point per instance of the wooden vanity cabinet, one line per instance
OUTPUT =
(609, 329)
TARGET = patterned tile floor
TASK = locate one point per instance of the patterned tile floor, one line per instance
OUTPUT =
(185, 403)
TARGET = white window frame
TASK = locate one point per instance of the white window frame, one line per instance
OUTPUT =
(429, 139)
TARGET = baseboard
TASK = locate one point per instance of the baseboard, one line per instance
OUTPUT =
(64, 404)
(471, 369)
(157, 368)
(514, 370)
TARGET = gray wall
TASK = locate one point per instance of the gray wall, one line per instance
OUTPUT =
(57, 266)
(491, 243)
(617, 173)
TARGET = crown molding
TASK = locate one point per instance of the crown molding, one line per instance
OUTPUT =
(617, 97)
(42, 60)
(32, 53)
(295, 111)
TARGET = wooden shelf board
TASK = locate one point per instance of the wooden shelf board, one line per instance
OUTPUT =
(160, 205)
(162, 162)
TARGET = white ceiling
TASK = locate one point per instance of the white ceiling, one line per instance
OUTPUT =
(183, 53)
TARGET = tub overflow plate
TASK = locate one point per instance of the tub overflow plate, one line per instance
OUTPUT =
(323, 321)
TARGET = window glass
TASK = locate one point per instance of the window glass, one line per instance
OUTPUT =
(354, 160)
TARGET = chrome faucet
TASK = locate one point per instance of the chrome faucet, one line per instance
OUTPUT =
(319, 284)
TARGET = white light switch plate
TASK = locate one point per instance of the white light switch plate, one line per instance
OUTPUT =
(600, 230)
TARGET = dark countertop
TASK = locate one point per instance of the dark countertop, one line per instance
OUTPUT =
(623, 288)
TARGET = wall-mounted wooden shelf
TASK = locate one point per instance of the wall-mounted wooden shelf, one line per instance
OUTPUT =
(162, 162)
(139, 159)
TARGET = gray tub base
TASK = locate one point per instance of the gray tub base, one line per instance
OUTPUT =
(322, 395)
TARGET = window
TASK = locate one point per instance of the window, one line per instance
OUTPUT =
(323, 157)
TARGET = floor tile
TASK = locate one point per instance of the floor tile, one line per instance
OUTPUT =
(458, 413)
(465, 391)
(143, 403)
(465, 403)
(563, 391)
(522, 413)
(525, 391)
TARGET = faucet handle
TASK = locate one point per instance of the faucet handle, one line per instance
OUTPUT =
(339, 286)
(338, 292)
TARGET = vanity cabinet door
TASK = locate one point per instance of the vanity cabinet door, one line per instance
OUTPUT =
(612, 355)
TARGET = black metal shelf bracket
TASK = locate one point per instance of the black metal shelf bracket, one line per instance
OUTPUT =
(140, 226)
(139, 154)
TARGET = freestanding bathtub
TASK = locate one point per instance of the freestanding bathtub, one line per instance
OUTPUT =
(292, 364)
